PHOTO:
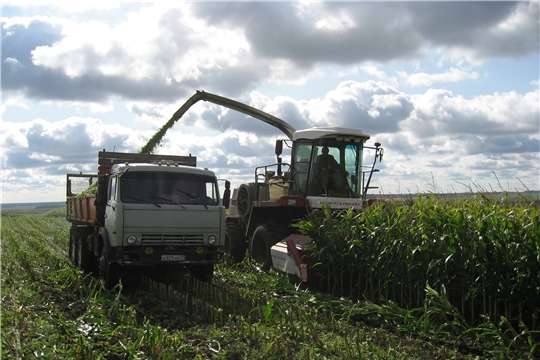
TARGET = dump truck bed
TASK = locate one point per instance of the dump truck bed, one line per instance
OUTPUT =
(81, 209)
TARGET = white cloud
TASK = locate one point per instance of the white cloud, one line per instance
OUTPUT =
(70, 141)
(157, 41)
(498, 114)
(374, 71)
(353, 105)
(44, 157)
(13, 136)
(159, 50)
(425, 79)
(282, 71)
(15, 100)
(338, 23)
(67, 6)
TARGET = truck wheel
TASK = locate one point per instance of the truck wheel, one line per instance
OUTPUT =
(204, 273)
(84, 255)
(73, 247)
(265, 236)
(108, 272)
(235, 243)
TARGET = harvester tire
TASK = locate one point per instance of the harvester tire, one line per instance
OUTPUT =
(265, 236)
(235, 243)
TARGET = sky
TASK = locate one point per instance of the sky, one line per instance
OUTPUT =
(450, 89)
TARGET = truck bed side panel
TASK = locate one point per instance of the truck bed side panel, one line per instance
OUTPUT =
(81, 210)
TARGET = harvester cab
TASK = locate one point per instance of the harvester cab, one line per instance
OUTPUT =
(326, 165)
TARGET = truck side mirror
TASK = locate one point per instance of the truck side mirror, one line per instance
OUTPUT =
(279, 147)
(227, 195)
(102, 190)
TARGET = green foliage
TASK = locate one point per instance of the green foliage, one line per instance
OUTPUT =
(157, 138)
(90, 190)
(454, 262)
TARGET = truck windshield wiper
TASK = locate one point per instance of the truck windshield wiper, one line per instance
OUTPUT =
(141, 201)
(169, 201)
(198, 199)
(162, 198)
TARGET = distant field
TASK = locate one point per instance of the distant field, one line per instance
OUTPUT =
(40, 207)
(30, 208)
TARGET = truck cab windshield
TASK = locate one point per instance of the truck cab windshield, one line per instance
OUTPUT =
(168, 188)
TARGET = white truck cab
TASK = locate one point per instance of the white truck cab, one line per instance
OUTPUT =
(159, 215)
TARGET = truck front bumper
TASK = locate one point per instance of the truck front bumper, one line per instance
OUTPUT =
(155, 255)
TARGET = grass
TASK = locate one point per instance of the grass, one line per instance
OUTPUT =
(52, 310)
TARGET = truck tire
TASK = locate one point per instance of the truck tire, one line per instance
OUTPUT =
(245, 198)
(204, 273)
(264, 237)
(235, 243)
(109, 272)
(84, 255)
(73, 246)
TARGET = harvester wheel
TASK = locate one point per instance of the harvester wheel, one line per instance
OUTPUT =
(265, 236)
(235, 243)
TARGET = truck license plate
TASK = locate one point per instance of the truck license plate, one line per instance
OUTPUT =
(173, 257)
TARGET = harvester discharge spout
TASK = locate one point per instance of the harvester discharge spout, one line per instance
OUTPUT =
(219, 100)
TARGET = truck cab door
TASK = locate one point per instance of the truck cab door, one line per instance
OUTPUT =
(111, 209)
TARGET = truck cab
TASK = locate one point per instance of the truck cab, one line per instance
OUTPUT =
(158, 214)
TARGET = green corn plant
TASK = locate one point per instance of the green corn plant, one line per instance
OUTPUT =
(482, 251)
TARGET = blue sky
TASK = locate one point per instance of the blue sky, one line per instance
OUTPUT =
(450, 89)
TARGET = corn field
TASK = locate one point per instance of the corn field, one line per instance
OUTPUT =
(433, 297)
(479, 256)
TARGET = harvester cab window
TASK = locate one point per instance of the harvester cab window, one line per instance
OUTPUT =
(352, 167)
(302, 159)
(325, 168)
(326, 162)
(335, 167)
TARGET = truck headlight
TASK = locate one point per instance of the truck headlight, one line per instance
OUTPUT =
(212, 239)
(131, 239)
